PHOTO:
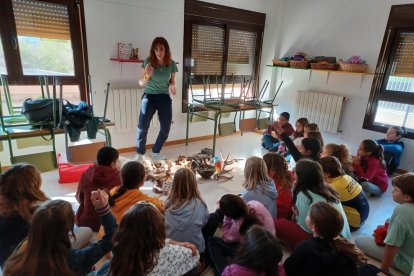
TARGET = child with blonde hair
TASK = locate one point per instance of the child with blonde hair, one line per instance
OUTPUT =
(277, 169)
(259, 186)
(186, 212)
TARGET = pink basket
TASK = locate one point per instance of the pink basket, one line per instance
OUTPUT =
(70, 173)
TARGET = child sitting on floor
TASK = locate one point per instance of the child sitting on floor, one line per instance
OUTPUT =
(399, 242)
(272, 143)
(326, 252)
(310, 187)
(47, 249)
(105, 176)
(342, 153)
(393, 148)
(353, 199)
(258, 185)
(142, 248)
(277, 169)
(370, 168)
(258, 254)
(300, 125)
(123, 197)
(238, 218)
(185, 211)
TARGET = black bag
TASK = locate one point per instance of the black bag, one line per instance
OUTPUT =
(78, 115)
(40, 111)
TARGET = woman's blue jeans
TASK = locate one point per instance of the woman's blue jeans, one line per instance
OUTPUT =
(151, 103)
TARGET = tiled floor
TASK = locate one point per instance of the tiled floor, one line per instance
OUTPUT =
(239, 147)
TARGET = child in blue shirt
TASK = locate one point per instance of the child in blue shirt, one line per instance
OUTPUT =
(393, 148)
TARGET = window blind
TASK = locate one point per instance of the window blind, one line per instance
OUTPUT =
(403, 64)
(242, 46)
(207, 50)
(41, 19)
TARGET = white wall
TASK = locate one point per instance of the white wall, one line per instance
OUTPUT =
(138, 22)
(335, 28)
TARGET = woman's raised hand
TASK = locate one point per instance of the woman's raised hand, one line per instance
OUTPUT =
(149, 70)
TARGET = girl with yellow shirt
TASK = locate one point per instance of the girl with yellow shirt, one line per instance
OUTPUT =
(353, 198)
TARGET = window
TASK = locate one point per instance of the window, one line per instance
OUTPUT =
(223, 44)
(392, 93)
(43, 38)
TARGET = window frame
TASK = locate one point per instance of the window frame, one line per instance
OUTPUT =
(13, 62)
(400, 20)
(203, 13)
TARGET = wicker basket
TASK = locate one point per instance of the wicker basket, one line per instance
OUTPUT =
(357, 68)
(281, 63)
(299, 64)
(324, 66)
(206, 171)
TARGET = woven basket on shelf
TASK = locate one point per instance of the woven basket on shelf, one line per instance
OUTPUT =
(357, 68)
(299, 64)
(281, 63)
(325, 66)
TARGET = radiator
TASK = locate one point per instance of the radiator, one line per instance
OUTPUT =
(123, 108)
(320, 108)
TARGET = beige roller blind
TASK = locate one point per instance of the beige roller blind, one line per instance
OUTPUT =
(41, 19)
(242, 47)
(207, 50)
(403, 63)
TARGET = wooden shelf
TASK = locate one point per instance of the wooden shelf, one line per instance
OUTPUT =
(287, 67)
(127, 60)
(328, 72)
(323, 71)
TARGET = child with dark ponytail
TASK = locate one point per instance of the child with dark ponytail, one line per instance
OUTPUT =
(121, 198)
(238, 218)
(327, 252)
(370, 168)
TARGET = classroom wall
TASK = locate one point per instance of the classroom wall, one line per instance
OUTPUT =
(335, 28)
(138, 22)
(320, 27)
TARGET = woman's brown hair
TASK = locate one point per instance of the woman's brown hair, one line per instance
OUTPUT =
(20, 187)
(255, 173)
(153, 57)
(328, 223)
(140, 237)
(342, 153)
(277, 164)
(47, 246)
(183, 189)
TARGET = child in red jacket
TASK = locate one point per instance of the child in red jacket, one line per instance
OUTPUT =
(278, 170)
(104, 176)
(370, 168)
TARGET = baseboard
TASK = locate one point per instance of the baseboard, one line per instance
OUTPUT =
(177, 142)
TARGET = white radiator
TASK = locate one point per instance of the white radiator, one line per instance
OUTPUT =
(123, 108)
(322, 109)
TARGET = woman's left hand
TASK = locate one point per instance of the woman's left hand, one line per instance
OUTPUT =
(173, 90)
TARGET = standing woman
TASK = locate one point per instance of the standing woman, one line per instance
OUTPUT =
(158, 80)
